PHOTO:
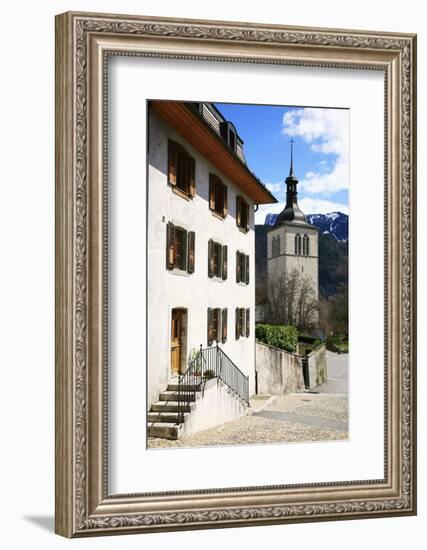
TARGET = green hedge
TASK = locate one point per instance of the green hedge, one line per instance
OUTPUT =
(278, 336)
(338, 344)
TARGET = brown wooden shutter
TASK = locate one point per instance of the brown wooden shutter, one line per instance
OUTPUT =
(248, 322)
(247, 269)
(210, 326)
(170, 246)
(172, 161)
(210, 258)
(225, 209)
(238, 211)
(237, 324)
(192, 176)
(247, 216)
(191, 251)
(237, 267)
(224, 262)
(217, 324)
(184, 258)
(212, 191)
(224, 324)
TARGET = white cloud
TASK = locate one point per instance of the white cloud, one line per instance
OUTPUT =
(309, 205)
(265, 209)
(276, 188)
(327, 132)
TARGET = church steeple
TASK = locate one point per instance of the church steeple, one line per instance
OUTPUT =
(291, 183)
(291, 212)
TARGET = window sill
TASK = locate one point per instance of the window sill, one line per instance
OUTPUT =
(179, 272)
(181, 193)
(243, 229)
(217, 215)
(217, 279)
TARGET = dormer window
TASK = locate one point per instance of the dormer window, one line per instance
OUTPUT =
(228, 132)
(231, 139)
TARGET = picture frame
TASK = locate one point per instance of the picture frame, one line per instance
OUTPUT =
(84, 506)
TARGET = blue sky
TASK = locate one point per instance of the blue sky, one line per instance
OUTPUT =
(321, 152)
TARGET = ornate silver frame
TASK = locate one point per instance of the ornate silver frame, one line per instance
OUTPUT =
(83, 506)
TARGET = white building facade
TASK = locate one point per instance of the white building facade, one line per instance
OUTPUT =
(200, 239)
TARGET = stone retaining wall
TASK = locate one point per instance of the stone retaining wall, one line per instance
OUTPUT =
(277, 371)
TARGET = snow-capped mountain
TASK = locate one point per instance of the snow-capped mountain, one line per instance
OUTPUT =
(334, 223)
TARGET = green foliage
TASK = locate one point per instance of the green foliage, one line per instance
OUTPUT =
(307, 344)
(278, 336)
(337, 344)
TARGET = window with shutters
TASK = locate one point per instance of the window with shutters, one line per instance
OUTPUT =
(218, 201)
(242, 213)
(247, 322)
(217, 260)
(180, 248)
(181, 170)
(224, 318)
(240, 322)
(242, 268)
(215, 334)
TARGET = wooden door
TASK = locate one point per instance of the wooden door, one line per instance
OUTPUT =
(176, 340)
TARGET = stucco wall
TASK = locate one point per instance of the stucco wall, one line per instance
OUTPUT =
(277, 371)
(195, 292)
(317, 368)
(217, 405)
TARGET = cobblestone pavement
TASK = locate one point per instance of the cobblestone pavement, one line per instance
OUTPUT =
(337, 365)
(318, 415)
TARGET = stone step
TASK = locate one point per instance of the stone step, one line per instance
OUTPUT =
(172, 386)
(170, 406)
(173, 396)
(162, 416)
(163, 429)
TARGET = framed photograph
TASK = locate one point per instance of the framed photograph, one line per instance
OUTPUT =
(235, 274)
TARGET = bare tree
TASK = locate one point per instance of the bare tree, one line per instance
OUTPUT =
(291, 300)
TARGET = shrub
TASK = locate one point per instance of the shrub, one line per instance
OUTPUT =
(278, 336)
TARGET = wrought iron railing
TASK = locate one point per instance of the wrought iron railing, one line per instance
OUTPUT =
(207, 364)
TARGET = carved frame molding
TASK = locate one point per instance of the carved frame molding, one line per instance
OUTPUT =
(83, 43)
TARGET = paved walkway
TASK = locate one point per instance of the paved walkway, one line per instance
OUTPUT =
(318, 415)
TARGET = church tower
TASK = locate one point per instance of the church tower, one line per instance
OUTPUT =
(292, 243)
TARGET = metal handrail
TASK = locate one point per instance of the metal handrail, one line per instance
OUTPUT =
(210, 363)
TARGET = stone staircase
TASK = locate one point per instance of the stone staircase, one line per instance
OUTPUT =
(162, 418)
